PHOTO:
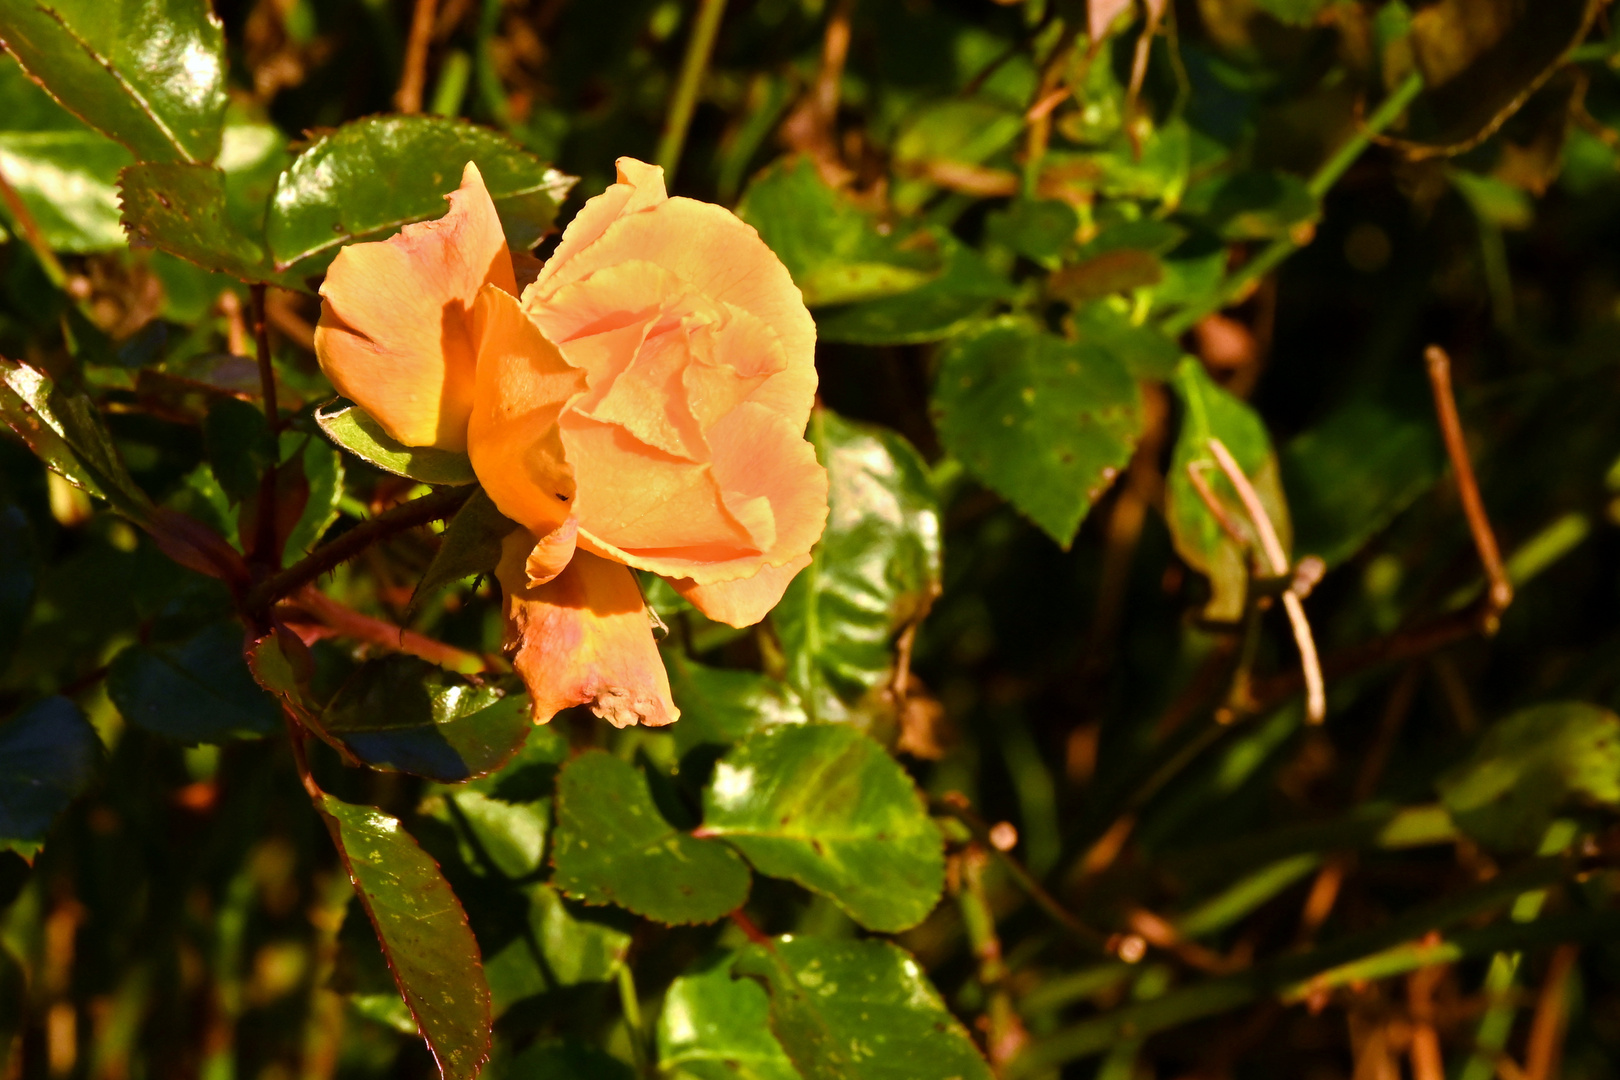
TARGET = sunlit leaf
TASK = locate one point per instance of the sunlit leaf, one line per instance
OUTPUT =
(719, 706)
(423, 932)
(1046, 423)
(825, 806)
(858, 1010)
(612, 846)
(352, 428)
(717, 1027)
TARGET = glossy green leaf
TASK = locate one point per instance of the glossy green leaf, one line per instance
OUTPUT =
(369, 178)
(48, 756)
(555, 1059)
(149, 73)
(875, 570)
(353, 429)
(612, 846)
(470, 545)
(719, 706)
(836, 252)
(931, 312)
(1349, 476)
(1530, 766)
(717, 1027)
(859, 1010)
(185, 211)
(195, 691)
(68, 180)
(65, 431)
(556, 949)
(404, 713)
(530, 773)
(323, 470)
(1211, 412)
(825, 806)
(423, 932)
(1046, 423)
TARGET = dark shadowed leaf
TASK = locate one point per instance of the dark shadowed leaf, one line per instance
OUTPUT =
(353, 429)
(1038, 229)
(48, 755)
(149, 73)
(717, 1027)
(423, 932)
(1046, 423)
(470, 546)
(825, 806)
(196, 691)
(858, 1010)
(561, 1059)
(185, 210)
(1211, 412)
(239, 444)
(19, 576)
(875, 570)
(1531, 765)
(402, 712)
(837, 252)
(934, 310)
(558, 947)
(722, 705)
(1349, 476)
(13, 1004)
(369, 178)
(1480, 60)
(1254, 205)
(612, 846)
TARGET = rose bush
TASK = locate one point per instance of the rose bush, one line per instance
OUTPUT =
(640, 404)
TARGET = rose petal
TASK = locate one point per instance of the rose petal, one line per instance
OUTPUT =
(745, 601)
(584, 638)
(648, 399)
(713, 252)
(552, 553)
(395, 336)
(513, 438)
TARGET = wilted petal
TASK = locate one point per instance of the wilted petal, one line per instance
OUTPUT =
(395, 333)
(584, 638)
(552, 553)
(513, 438)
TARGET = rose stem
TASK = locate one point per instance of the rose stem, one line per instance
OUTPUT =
(696, 61)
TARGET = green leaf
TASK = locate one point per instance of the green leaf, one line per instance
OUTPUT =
(836, 252)
(369, 178)
(1254, 205)
(561, 1059)
(530, 773)
(557, 949)
(68, 181)
(323, 469)
(64, 430)
(406, 714)
(423, 932)
(859, 1010)
(352, 428)
(719, 706)
(48, 756)
(716, 1027)
(956, 131)
(470, 546)
(1123, 270)
(825, 806)
(1146, 352)
(933, 311)
(1046, 423)
(195, 691)
(1529, 767)
(185, 210)
(149, 73)
(1350, 475)
(875, 570)
(1211, 412)
(508, 838)
(613, 846)
(1156, 173)
(1038, 229)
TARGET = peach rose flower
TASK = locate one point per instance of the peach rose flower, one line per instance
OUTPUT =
(642, 404)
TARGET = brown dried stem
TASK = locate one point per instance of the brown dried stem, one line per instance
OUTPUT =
(1500, 593)
(408, 98)
(353, 624)
(435, 507)
(1271, 547)
(1541, 1051)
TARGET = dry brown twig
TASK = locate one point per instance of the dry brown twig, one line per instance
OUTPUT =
(408, 98)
